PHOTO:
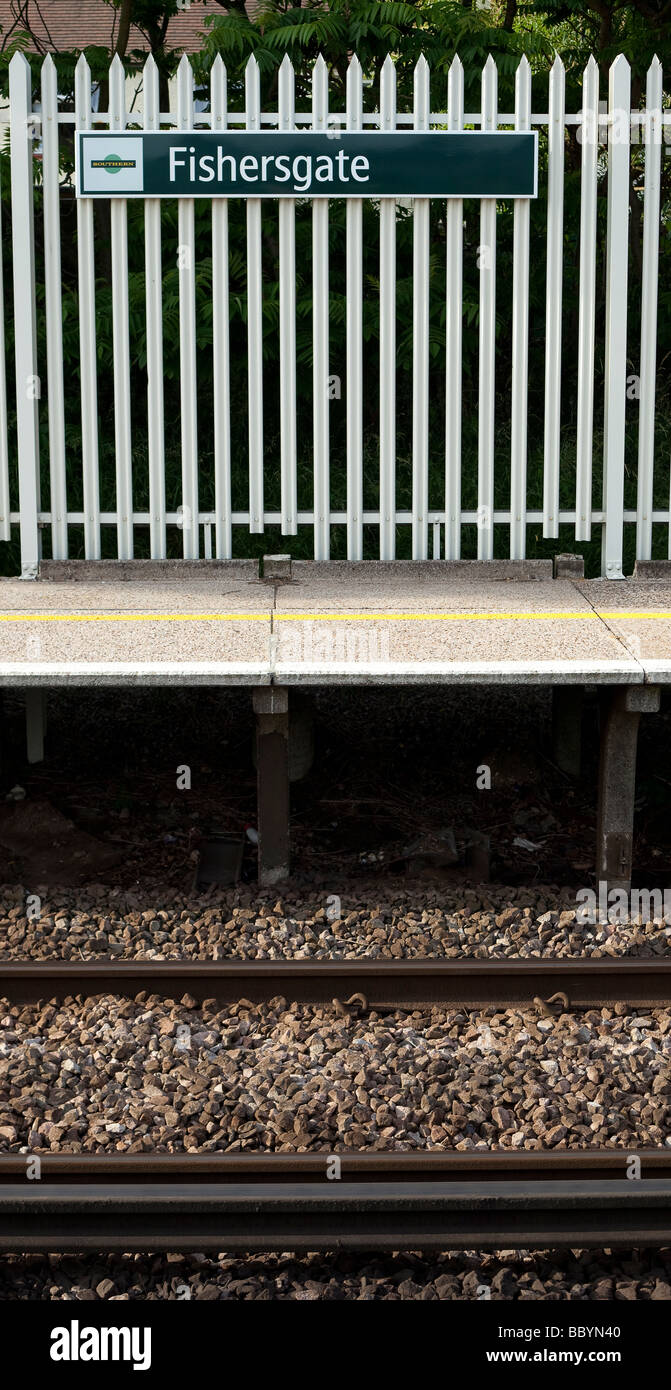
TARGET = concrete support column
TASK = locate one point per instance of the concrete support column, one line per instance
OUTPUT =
(271, 707)
(567, 703)
(622, 710)
(36, 724)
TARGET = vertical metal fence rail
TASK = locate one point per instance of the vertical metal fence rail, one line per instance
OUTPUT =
(387, 334)
(254, 317)
(648, 369)
(87, 333)
(420, 335)
(613, 346)
(520, 331)
(589, 132)
(320, 333)
(487, 336)
(154, 319)
(5, 502)
(453, 332)
(221, 352)
(553, 301)
(120, 333)
(186, 260)
(287, 268)
(354, 347)
(54, 310)
(25, 319)
(617, 265)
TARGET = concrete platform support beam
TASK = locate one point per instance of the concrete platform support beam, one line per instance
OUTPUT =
(617, 780)
(567, 703)
(271, 707)
(36, 724)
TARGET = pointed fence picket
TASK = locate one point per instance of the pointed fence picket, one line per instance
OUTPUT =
(437, 467)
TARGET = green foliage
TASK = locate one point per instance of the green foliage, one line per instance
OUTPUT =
(372, 28)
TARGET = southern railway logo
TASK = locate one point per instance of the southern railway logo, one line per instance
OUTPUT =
(112, 163)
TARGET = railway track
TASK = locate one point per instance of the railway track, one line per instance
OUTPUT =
(571, 1165)
(382, 1201)
(404, 984)
(385, 1202)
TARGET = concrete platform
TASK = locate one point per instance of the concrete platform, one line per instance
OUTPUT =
(81, 632)
(337, 623)
(638, 613)
(437, 622)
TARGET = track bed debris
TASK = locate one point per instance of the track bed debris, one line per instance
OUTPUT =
(116, 1074)
(416, 922)
(501, 1276)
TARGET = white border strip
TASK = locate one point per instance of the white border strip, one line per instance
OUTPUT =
(291, 193)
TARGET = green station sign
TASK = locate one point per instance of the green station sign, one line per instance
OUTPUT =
(307, 164)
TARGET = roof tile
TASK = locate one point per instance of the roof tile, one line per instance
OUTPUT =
(60, 26)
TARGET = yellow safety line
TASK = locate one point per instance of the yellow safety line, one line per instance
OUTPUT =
(132, 617)
(648, 615)
(621, 613)
(465, 617)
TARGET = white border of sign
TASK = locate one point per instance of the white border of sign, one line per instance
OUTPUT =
(254, 192)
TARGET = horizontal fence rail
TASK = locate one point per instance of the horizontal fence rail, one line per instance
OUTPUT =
(204, 437)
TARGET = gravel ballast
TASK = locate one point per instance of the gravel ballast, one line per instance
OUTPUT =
(439, 923)
(500, 1276)
(111, 1074)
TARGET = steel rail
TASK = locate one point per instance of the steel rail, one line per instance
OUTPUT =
(359, 1166)
(398, 984)
(353, 1216)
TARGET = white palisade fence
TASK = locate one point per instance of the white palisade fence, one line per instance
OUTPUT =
(437, 526)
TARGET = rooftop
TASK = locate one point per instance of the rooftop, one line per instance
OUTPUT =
(60, 26)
